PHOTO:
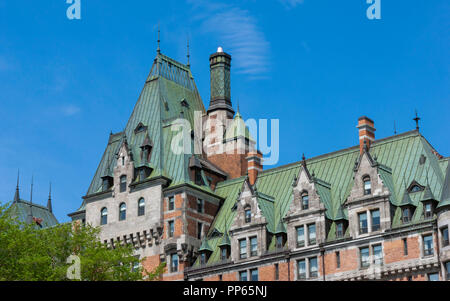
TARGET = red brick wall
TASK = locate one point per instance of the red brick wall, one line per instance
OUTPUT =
(393, 250)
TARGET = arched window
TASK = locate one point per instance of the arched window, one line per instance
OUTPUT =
(103, 216)
(141, 207)
(305, 200)
(367, 185)
(248, 215)
(122, 212)
(123, 183)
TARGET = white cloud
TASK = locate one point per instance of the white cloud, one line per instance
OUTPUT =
(238, 33)
(70, 110)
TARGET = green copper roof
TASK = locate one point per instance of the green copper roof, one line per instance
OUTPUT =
(169, 93)
(225, 241)
(21, 210)
(398, 159)
(237, 129)
(205, 246)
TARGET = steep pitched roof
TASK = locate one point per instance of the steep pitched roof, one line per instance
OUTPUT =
(21, 210)
(169, 93)
(398, 158)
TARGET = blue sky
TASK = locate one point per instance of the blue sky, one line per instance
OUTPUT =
(317, 65)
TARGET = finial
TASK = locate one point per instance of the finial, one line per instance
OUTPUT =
(238, 105)
(30, 215)
(49, 202)
(158, 50)
(188, 55)
(16, 195)
(417, 119)
(303, 157)
(395, 129)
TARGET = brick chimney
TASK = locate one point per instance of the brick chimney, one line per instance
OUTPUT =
(254, 166)
(366, 132)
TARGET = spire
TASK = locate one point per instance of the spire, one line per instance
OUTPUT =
(188, 55)
(417, 119)
(158, 50)
(16, 195)
(395, 129)
(30, 214)
(49, 202)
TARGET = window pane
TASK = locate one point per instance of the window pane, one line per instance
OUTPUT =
(339, 229)
(253, 246)
(313, 267)
(141, 207)
(428, 245)
(378, 254)
(248, 215)
(312, 233)
(447, 268)
(375, 220)
(301, 265)
(364, 257)
(363, 223)
(305, 201)
(367, 186)
(445, 237)
(171, 203)
(223, 254)
(254, 275)
(122, 212)
(433, 277)
(200, 205)
(174, 262)
(300, 236)
(123, 183)
(243, 276)
(171, 228)
(104, 216)
(243, 248)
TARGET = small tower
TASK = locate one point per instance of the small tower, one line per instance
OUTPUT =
(49, 202)
(16, 195)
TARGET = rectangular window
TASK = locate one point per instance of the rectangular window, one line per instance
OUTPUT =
(433, 277)
(405, 246)
(277, 271)
(364, 257)
(301, 266)
(254, 275)
(248, 215)
(199, 230)
(300, 236)
(243, 276)
(312, 234)
(223, 253)
(202, 258)
(406, 216)
(313, 267)
(362, 223)
(377, 254)
(428, 211)
(123, 183)
(339, 230)
(171, 203)
(279, 241)
(375, 219)
(428, 245)
(338, 260)
(174, 263)
(171, 228)
(444, 233)
(253, 246)
(220, 277)
(200, 205)
(243, 248)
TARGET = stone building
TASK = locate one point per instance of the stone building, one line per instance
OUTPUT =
(378, 210)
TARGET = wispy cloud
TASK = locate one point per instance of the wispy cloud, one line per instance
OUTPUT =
(70, 110)
(238, 33)
(291, 3)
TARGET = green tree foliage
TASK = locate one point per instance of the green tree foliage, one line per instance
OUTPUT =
(29, 253)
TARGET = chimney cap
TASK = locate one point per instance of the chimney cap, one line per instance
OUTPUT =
(219, 49)
(365, 118)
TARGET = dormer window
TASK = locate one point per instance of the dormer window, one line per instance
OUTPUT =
(339, 229)
(415, 188)
(123, 183)
(248, 215)
(406, 215)
(203, 258)
(305, 200)
(367, 185)
(106, 183)
(223, 253)
(198, 177)
(428, 210)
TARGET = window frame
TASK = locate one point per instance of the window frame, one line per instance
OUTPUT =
(242, 246)
(104, 213)
(251, 274)
(429, 251)
(171, 203)
(141, 208)
(122, 211)
(377, 227)
(174, 267)
(252, 251)
(380, 259)
(339, 234)
(366, 179)
(199, 230)
(338, 259)
(313, 273)
(363, 230)
(200, 205)
(301, 243)
(248, 215)
(170, 228)
(123, 183)
(305, 200)
(241, 278)
(301, 275)
(445, 242)
(312, 241)
(364, 264)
